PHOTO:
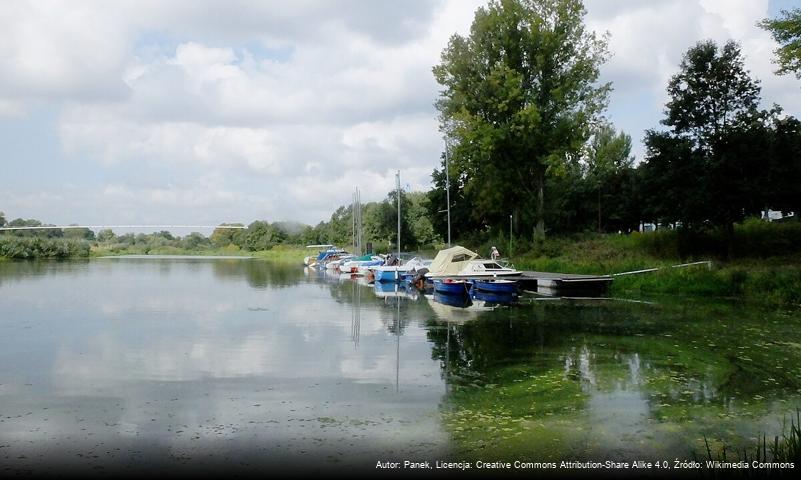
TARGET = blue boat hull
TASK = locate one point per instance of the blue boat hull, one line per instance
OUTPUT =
(386, 275)
(496, 287)
(455, 288)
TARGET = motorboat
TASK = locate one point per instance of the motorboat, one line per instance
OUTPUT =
(393, 273)
(450, 286)
(354, 264)
(459, 262)
(496, 285)
(326, 255)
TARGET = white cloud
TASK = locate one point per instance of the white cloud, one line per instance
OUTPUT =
(280, 109)
(649, 38)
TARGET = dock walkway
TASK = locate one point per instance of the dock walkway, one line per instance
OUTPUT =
(531, 280)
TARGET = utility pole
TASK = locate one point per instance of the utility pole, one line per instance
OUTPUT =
(448, 189)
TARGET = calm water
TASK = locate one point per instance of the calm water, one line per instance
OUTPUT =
(112, 364)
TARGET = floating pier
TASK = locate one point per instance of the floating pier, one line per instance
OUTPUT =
(561, 282)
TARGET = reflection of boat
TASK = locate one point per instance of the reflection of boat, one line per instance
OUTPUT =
(460, 301)
(494, 297)
(451, 287)
(496, 285)
(448, 309)
(459, 262)
(388, 290)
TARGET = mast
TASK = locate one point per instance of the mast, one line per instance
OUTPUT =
(397, 181)
(448, 190)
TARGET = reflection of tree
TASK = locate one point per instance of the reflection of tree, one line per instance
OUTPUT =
(692, 366)
(16, 270)
(258, 273)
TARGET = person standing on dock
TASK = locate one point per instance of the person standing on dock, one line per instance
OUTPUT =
(494, 253)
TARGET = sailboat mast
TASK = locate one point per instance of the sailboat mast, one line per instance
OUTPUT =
(397, 181)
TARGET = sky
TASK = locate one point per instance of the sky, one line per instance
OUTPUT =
(202, 112)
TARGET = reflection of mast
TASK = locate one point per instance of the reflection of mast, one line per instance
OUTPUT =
(447, 354)
(356, 317)
(397, 347)
(356, 221)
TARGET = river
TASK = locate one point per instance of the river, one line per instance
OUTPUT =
(191, 364)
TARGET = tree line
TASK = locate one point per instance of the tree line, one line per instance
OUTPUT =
(522, 113)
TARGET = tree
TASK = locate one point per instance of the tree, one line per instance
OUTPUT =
(194, 241)
(222, 237)
(784, 166)
(79, 233)
(786, 30)
(609, 154)
(385, 221)
(520, 95)
(260, 235)
(106, 236)
(708, 169)
(711, 95)
(2, 219)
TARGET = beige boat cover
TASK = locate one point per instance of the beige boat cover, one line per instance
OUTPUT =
(451, 260)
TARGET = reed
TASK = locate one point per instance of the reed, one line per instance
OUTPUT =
(783, 449)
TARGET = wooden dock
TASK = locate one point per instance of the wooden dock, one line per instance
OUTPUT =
(536, 281)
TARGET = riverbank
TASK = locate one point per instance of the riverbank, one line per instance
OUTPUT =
(40, 248)
(770, 279)
(279, 253)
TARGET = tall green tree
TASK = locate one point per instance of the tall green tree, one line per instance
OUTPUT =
(385, 221)
(712, 95)
(784, 166)
(520, 95)
(708, 169)
(609, 154)
(786, 30)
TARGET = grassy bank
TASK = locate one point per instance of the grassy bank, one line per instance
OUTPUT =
(31, 248)
(279, 253)
(766, 268)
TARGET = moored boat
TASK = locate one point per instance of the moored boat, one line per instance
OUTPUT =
(393, 273)
(459, 262)
(451, 286)
(496, 285)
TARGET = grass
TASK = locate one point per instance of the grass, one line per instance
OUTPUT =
(771, 279)
(284, 253)
(279, 253)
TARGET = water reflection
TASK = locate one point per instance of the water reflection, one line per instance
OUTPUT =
(194, 358)
(641, 379)
(200, 358)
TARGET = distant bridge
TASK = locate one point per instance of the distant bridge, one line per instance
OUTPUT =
(97, 227)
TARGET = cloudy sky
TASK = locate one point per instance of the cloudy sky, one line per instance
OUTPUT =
(155, 112)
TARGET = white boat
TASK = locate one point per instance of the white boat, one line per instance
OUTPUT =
(327, 254)
(353, 265)
(335, 263)
(459, 262)
(392, 273)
